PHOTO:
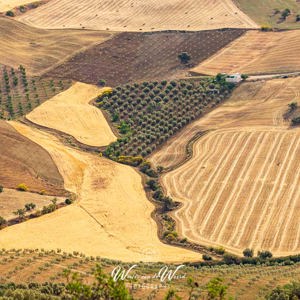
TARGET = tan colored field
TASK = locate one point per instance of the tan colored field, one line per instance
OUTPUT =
(6, 5)
(11, 200)
(22, 161)
(112, 217)
(148, 15)
(259, 103)
(256, 52)
(39, 50)
(240, 188)
(71, 113)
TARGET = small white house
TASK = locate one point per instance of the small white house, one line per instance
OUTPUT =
(234, 78)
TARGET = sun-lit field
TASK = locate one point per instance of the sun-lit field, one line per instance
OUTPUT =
(111, 218)
(6, 5)
(139, 15)
(239, 189)
(256, 52)
(37, 49)
(70, 112)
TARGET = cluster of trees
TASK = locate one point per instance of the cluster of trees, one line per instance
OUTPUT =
(289, 291)
(149, 113)
(20, 94)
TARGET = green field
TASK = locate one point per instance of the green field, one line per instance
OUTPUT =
(263, 12)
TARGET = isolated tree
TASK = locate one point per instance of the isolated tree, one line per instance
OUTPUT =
(3, 222)
(101, 82)
(248, 252)
(265, 254)
(285, 13)
(184, 57)
(20, 213)
(216, 289)
(1, 188)
(29, 206)
(293, 106)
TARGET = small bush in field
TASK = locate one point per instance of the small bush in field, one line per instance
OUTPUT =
(22, 187)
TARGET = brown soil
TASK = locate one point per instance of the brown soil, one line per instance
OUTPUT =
(131, 57)
(23, 161)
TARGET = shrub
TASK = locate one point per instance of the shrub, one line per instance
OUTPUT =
(3, 222)
(285, 13)
(206, 257)
(68, 201)
(30, 206)
(1, 188)
(296, 121)
(248, 252)
(266, 28)
(102, 82)
(22, 187)
(184, 57)
(265, 254)
(293, 106)
(10, 13)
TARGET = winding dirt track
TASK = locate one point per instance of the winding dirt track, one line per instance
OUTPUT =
(256, 52)
(241, 187)
(112, 217)
(151, 15)
(71, 113)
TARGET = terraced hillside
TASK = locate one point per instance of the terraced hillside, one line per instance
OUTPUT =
(139, 15)
(22, 161)
(269, 12)
(256, 52)
(239, 189)
(131, 57)
(38, 50)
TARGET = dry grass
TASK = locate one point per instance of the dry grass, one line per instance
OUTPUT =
(256, 52)
(112, 217)
(6, 5)
(22, 161)
(70, 112)
(240, 187)
(139, 16)
(11, 200)
(38, 50)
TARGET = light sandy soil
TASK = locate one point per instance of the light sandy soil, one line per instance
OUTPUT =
(151, 15)
(112, 217)
(6, 5)
(11, 200)
(256, 52)
(39, 50)
(70, 112)
(240, 188)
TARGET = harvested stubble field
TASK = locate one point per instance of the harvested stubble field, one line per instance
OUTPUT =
(264, 12)
(244, 282)
(23, 161)
(39, 50)
(256, 52)
(12, 200)
(112, 217)
(71, 113)
(148, 15)
(244, 173)
(19, 94)
(132, 57)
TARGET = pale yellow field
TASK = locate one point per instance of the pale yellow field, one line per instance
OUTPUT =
(11, 200)
(125, 15)
(6, 5)
(112, 217)
(70, 112)
(256, 52)
(240, 188)
(39, 50)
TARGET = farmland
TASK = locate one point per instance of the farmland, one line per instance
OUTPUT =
(68, 111)
(256, 52)
(248, 153)
(22, 161)
(147, 114)
(19, 94)
(135, 57)
(139, 16)
(268, 12)
(244, 282)
(37, 49)
(130, 231)
(6, 5)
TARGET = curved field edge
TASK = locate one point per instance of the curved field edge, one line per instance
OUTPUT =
(70, 112)
(121, 233)
(140, 16)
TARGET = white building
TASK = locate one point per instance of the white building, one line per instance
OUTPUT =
(234, 78)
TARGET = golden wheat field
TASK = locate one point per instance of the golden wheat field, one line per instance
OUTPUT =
(240, 188)
(148, 15)
(256, 52)
(71, 113)
(111, 217)
(39, 50)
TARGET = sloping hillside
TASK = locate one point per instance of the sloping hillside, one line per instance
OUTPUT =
(148, 15)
